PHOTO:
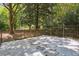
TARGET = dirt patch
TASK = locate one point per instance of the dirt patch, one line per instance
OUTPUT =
(6, 37)
(19, 35)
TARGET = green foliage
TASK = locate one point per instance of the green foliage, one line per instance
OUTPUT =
(48, 15)
(72, 18)
(3, 18)
(3, 26)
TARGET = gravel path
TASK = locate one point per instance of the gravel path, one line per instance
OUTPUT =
(41, 46)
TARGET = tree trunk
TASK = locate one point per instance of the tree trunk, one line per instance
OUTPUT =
(11, 19)
(37, 14)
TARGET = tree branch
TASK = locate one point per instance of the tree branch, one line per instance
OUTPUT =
(21, 8)
(14, 5)
(5, 6)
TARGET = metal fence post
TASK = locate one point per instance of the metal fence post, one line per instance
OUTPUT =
(63, 30)
(1, 37)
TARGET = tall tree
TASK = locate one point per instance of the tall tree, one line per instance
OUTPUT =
(11, 24)
(13, 10)
(37, 16)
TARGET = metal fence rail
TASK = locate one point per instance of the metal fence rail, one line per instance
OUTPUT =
(70, 31)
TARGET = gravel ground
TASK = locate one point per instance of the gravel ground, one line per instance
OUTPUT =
(41, 46)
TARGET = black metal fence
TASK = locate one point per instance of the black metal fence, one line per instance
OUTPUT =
(69, 31)
(63, 31)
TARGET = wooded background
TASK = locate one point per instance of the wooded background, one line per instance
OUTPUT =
(40, 18)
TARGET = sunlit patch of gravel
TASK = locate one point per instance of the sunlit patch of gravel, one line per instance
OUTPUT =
(41, 46)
